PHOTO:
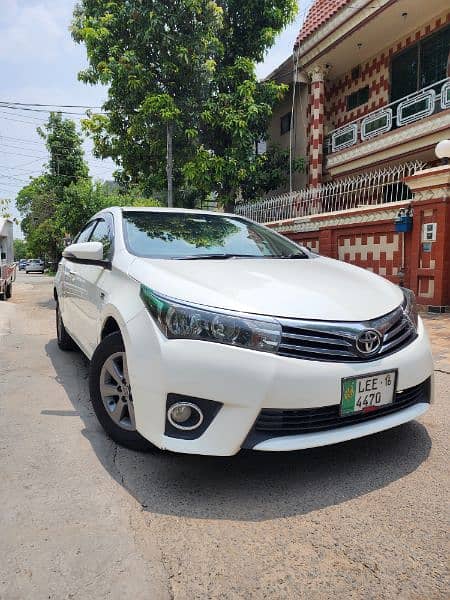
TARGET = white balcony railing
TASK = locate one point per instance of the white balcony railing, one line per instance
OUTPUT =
(369, 189)
(412, 108)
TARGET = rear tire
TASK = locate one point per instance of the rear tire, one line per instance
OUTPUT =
(111, 394)
(65, 342)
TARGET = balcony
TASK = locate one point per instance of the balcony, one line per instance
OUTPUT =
(409, 125)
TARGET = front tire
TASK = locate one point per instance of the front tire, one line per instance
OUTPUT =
(8, 293)
(111, 397)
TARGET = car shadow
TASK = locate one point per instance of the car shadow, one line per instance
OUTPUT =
(50, 304)
(251, 486)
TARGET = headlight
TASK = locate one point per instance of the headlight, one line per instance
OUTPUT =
(410, 307)
(182, 321)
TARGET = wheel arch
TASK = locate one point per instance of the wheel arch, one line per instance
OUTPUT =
(112, 322)
(110, 325)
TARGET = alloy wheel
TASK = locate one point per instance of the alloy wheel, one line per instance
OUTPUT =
(115, 391)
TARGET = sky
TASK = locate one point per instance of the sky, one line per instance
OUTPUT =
(39, 63)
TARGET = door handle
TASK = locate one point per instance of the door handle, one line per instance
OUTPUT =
(72, 272)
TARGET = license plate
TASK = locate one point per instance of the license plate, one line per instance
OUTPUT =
(367, 393)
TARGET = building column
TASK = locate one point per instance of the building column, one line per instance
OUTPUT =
(430, 240)
(316, 125)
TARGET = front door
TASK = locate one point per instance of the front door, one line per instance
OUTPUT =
(93, 283)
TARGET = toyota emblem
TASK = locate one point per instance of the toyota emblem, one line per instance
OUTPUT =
(368, 342)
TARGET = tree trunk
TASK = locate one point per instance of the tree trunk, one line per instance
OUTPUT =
(169, 165)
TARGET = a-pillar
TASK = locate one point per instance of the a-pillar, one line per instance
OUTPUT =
(430, 242)
(316, 125)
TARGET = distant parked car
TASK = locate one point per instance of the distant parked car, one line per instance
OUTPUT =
(22, 264)
(34, 265)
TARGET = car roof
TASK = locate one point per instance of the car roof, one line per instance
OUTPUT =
(163, 209)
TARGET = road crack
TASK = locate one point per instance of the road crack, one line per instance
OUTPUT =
(442, 371)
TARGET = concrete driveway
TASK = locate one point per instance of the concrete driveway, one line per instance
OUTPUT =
(83, 518)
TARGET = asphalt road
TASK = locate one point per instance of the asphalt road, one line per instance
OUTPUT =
(81, 518)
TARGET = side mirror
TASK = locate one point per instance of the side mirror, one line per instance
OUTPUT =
(85, 251)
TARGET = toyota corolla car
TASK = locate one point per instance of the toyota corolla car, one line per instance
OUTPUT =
(208, 333)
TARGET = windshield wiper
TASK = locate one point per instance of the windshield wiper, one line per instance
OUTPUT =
(215, 256)
(296, 255)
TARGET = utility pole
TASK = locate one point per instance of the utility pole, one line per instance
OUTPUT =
(169, 165)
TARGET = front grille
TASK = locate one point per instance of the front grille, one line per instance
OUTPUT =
(283, 422)
(332, 341)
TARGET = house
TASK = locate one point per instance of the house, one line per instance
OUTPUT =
(368, 100)
(372, 87)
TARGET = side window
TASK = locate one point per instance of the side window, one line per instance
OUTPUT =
(103, 233)
(84, 234)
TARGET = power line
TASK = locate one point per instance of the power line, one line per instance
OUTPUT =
(97, 162)
(41, 110)
(55, 105)
(21, 121)
(42, 144)
(26, 155)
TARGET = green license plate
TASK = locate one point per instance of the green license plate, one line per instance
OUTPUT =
(368, 392)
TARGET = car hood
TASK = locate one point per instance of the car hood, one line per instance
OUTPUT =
(316, 288)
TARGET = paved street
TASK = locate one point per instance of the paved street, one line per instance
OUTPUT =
(82, 518)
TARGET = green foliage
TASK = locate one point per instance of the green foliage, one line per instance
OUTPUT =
(40, 200)
(20, 249)
(64, 145)
(5, 209)
(83, 199)
(269, 173)
(36, 202)
(190, 64)
(157, 59)
(60, 201)
(45, 240)
(238, 111)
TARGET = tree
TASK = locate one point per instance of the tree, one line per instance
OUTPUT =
(5, 209)
(64, 145)
(20, 249)
(237, 114)
(58, 203)
(185, 70)
(38, 201)
(270, 172)
(158, 58)
(84, 198)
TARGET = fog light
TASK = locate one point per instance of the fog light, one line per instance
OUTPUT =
(185, 415)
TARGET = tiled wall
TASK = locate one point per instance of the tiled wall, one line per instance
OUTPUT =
(374, 245)
(376, 74)
(377, 252)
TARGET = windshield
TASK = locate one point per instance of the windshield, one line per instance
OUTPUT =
(196, 235)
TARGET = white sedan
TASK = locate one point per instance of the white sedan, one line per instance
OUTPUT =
(208, 333)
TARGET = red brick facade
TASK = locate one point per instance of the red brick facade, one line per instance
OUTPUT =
(317, 103)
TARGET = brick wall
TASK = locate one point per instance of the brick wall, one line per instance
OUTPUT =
(371, 245)
(376, 74)
(367, 239)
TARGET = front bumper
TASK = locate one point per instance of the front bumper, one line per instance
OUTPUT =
(246, 381)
